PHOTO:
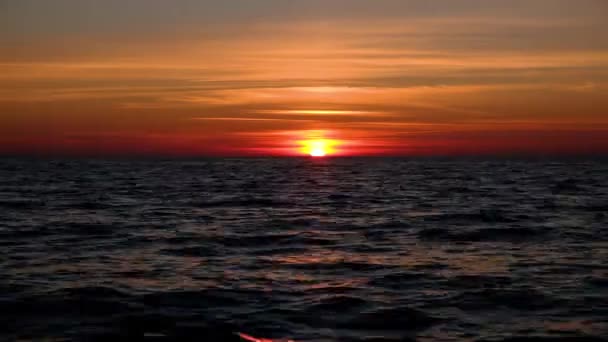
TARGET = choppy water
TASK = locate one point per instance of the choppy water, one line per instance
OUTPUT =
(312, 250)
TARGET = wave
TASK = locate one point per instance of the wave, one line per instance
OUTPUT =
(241, 202)
(513, 234)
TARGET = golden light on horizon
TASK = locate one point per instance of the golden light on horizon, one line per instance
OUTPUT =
(318, 150)
(318, 147)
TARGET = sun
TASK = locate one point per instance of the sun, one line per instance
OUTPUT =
(318, 152)
(318, 147)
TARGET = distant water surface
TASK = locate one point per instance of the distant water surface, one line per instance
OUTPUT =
(306, 249)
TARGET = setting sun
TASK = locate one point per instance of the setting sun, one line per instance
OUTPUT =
(318, 147)
(318, 152)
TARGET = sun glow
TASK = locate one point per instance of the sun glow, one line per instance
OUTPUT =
(318, 152)
(318, 147)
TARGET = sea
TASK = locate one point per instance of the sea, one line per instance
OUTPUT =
(304, 249)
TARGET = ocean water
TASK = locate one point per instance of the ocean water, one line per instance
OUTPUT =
(304, 249)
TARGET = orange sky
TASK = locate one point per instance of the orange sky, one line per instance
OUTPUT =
(261, 77)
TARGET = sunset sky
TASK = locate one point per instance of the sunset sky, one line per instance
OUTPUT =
(267, 77)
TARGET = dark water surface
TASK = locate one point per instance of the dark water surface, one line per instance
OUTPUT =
(310, 250)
